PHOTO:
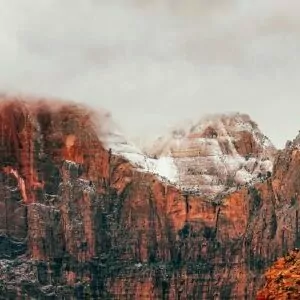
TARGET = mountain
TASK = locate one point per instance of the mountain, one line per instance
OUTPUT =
(86, 215)
(217, 154)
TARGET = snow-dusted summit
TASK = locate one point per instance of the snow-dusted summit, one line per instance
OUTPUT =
(217, 154)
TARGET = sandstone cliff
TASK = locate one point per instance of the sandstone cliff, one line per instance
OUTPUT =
(79, 221)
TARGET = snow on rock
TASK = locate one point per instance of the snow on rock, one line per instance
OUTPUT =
(242, 176)
(217, 153)
(266, 166)
(163, 167)
(214, 155)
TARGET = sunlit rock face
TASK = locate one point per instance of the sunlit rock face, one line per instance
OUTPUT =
(283, 278)
(83, 213)
(217, 154)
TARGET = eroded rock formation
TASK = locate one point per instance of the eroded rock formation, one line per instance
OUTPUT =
(217, 154)
(78, 221)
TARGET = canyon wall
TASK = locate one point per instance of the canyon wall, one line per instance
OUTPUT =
(78, 222)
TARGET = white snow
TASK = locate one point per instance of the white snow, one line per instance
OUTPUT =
(242, 176)
(266, 166)
(164, 167)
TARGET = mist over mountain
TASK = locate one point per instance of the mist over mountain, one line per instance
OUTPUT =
(174, 173)
(158, 62)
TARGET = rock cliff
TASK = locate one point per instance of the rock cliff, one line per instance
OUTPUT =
(84, 215)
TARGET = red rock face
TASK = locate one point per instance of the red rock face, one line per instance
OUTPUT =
(282, 279)
(76, 219)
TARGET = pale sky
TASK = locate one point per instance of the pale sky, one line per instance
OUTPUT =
(154, 63)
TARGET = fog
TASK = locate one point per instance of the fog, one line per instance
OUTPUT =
(156, 63)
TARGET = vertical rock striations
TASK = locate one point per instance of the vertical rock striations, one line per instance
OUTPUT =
(79, 222)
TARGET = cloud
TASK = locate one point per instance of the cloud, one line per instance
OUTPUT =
(155, 63)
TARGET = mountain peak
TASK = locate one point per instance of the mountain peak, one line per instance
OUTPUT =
(217, 152)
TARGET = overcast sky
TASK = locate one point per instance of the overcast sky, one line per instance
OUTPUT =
(154, 63)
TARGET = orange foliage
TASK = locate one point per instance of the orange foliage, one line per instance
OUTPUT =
(283, 279)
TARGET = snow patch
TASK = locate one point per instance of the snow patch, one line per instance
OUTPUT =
(242, 176)
(266, 166)
(163, 167)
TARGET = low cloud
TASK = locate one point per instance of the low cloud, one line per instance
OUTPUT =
(155, 63)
